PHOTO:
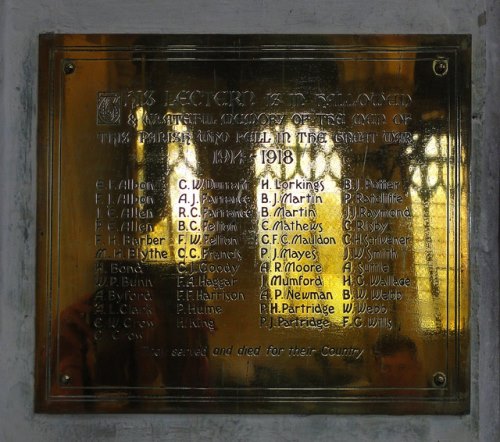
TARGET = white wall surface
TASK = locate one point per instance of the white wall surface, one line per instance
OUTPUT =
(20, 23)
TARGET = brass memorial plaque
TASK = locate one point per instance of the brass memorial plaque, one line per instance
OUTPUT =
(253, 224)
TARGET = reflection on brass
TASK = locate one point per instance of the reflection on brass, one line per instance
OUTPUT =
(253, 224)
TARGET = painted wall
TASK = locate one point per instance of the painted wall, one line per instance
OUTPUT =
(20, 23)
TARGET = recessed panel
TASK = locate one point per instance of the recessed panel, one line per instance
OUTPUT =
(253, 224)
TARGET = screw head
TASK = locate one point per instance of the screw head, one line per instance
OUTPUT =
(69, 67)
(65, 379)
(440, 67)
(439, 379)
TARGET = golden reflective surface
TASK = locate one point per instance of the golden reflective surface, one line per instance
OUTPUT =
(253, 224)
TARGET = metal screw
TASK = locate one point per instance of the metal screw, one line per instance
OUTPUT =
(440, 67)
(65, 379)
(439, 379)
(69, 67)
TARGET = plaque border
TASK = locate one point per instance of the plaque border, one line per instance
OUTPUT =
(62, 48)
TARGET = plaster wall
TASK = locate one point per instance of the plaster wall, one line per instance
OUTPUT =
(20, 23)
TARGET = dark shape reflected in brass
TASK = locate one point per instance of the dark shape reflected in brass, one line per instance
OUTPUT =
(253, 224)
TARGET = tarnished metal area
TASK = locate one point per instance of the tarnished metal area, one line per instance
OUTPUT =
(253, 224)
